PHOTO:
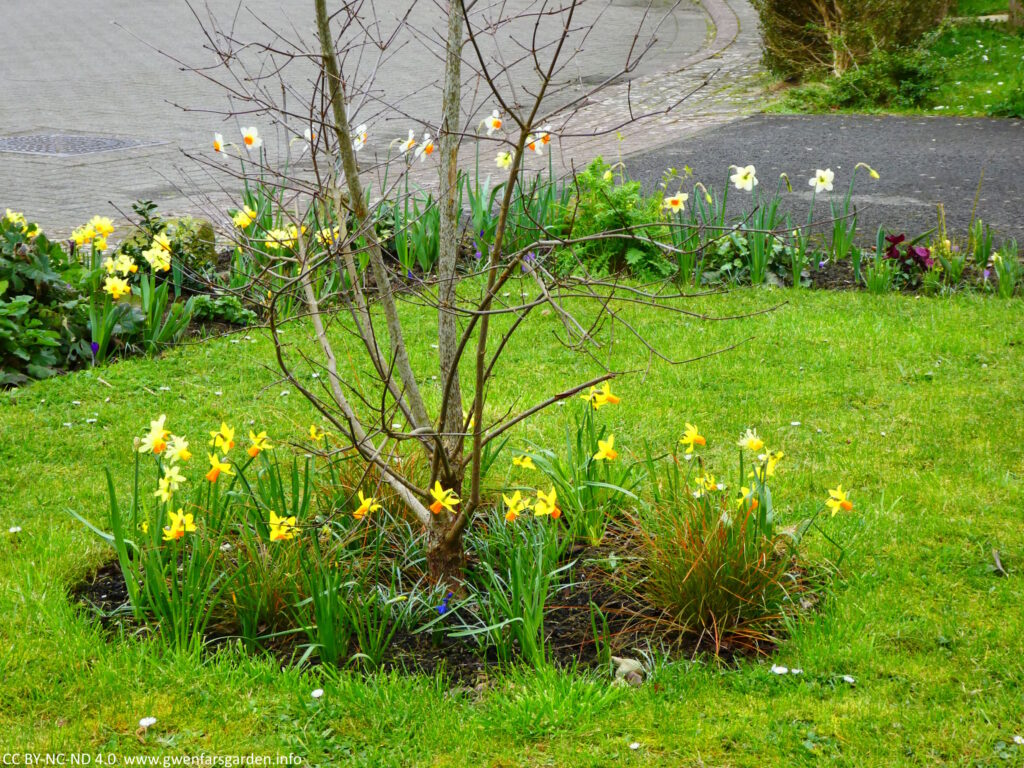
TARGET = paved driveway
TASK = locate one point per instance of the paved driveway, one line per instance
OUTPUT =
(88, 68)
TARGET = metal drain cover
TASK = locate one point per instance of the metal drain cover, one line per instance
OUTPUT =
(68, 145)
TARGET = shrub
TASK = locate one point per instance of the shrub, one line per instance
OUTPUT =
(802, 38)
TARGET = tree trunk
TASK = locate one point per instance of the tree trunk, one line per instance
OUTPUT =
(1017, 14)
(445, 556)
(451, 421)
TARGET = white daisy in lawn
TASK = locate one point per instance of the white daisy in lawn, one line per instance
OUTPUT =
(796, 671)
(849, 679)
(317, 693)
(1018, 739)
(779, 670)
(822, 180)
(251, 138)
(14, 529)
(147, 722)
(745, 177)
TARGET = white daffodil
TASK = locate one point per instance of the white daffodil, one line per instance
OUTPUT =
(745, 178)
(309, 135)
(218, 143)
(493, 122)
(503, 160)
(359, 139)
(408, 144)
(251, 138)
(426, 147)
(822, 180)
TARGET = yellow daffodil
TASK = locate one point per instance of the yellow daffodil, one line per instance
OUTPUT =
(259, 442)
(178, 525)
(366, 506)
(359, 138)
(444, 498)
(822, 180)
(601, 397)
(278, 239)
(243, 218)
(217, 467)
(871, 171)
(675, 204)
(223, 438)
(83, 235)
(177, 449)
(503, 160)
(108, 264)
(155, 440)
(161, 241)
(116, 287)
(838, 500)
(546, 505)
(169, 483)
(426, 147)
(218, 143)
(158, 259)
(706, 484)
(692, 438)
(315, 433)
(523, 462)
(16, 218)
(328, 236)
(745, 177)
(493, 123)
(102, 225)
(281, 528)
(514, 506)
(751, 441)
(747, 498)
(251, 138)
(768, 462)
(124, 265)
(408, 144)
(606, 450)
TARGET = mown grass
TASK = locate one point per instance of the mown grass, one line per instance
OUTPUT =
(969, 69)
(981, 7)
(914, 403)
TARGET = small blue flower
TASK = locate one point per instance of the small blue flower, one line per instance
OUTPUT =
(442, 609)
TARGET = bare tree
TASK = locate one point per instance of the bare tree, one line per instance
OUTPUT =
(335, 277)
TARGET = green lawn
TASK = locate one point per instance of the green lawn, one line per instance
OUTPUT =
(981, 7)
(914, 403)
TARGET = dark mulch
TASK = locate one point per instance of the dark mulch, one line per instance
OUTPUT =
(633, 626)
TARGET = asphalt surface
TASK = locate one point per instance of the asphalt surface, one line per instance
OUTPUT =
(922, 162)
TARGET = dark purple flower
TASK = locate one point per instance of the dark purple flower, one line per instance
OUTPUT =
(442, 609)
(530, 258)
(920, 256)
(408, 274)
(479, 253)
(95, 347)
(822, 263)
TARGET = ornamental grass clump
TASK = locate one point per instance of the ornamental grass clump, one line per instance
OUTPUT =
(715, 561)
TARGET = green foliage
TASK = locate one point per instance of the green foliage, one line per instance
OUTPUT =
(835, 36)
(610, 208)
(224, 308)
(42, 315)
(901, 79)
